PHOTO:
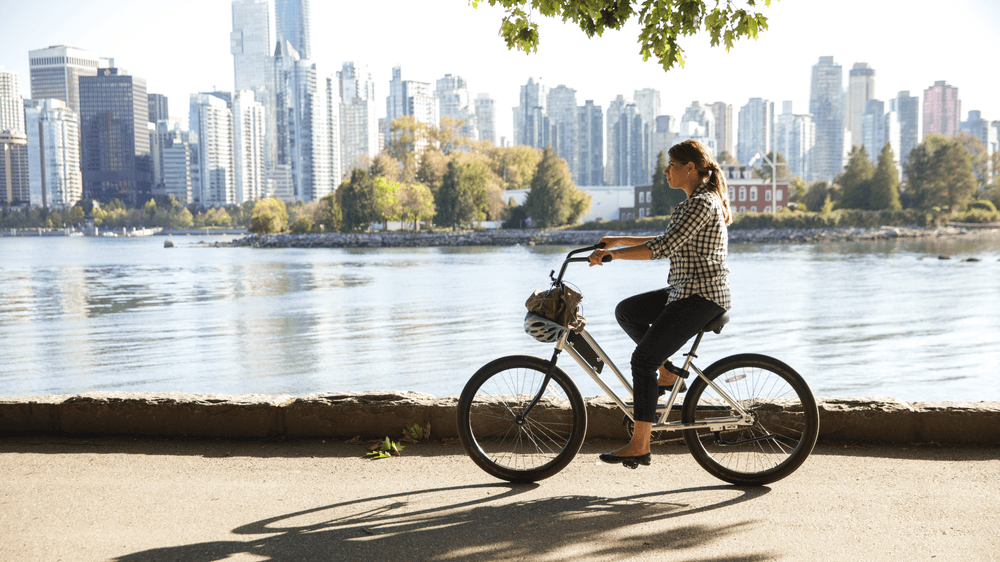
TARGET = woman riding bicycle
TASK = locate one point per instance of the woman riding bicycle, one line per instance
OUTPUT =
(661, 321)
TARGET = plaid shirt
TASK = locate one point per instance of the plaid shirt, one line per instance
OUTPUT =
(696, 241)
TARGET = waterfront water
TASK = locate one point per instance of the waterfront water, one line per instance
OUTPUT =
(78, 315)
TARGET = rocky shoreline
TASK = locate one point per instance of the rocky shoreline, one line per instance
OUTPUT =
(578, 237)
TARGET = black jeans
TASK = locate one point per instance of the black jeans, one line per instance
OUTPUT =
(659, 330)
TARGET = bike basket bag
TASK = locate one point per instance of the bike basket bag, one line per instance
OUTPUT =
(560, 305)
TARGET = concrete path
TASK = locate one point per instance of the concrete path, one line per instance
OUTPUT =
(137, 500)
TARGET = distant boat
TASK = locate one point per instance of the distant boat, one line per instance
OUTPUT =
(109, 234)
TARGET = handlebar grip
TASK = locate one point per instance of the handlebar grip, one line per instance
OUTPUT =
(606, 259)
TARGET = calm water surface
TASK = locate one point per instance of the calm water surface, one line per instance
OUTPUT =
(97, 314)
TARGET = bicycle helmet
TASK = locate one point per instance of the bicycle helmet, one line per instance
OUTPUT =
(542, 329)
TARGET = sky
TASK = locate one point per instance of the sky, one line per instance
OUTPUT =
(182, 47)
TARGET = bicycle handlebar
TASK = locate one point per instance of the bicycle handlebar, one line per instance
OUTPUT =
(570, 258)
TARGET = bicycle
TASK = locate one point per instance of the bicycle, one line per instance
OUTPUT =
(747, 419)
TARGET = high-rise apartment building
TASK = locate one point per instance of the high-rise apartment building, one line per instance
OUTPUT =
(253, 65)
(114, 123)
(665, 135)
(698, 123)
(532, 126)
(248, 146)
(14, 186)
(756, 129)
(292, 24)
(410, 97)
(590, 144)
(825, 105)
(358, 117)
(879, 127)
(11, 103)
(907, 110)
(180, 166)
(860, 89)
(562, 110)
(647, 101)
(724, 127)
(56, 71)
(486, 117)
(452, 93)
(942, 109)
(53, 154)
(211, 120)
(332, 110)
(627, 149)
(795, 137)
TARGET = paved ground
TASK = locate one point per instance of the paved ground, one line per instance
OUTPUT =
(138, 500)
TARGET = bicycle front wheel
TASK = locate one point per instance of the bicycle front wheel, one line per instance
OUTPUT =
(785, 428)
(508, 444)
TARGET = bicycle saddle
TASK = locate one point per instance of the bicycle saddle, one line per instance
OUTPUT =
(716, 324)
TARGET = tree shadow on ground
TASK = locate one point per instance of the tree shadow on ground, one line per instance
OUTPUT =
(481, 522)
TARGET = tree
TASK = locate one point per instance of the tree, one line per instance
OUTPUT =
(939, 174)
(470, 191)
(554, 200)
(662, 23)
(516, 165)
(406, 134)
(664, 197)
(269, 216)
(884, 192)
(416, 203)
(357, 200)
(855, 180)
(817, 196)
(386, 204)
(433, 166)
(328, 213)
(727, 158)
(796, 190)
(978, 156)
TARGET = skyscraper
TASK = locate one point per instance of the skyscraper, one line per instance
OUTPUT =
(795, 137)
(114, 123)
(879, 127)
(486, 117)
(292, 25)
(907, 110)
(860, 89)
(756, 129)
(253, 64)
(942, 109)
(358, 118)
(212, 120)
(159, 109)
(627, 149)
(590, 144)
(53, 154)
(452, 93)
(248, 146)
(11, 104)
(410, 97)
(56, 71)
(14, 185)
(723, 113)
(698, 123)
(532, 126)
(561, 103)
(825, 94)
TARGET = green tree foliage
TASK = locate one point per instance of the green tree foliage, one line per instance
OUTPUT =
(664, 197)
(661, 23)
(416, 203)
(470, 191)
(884, 192)
(357, 201)
(855, 180)
(516, 165)
(726, 158)
(269, 216)
(406, 134)
(386, 203)
(797, 190)
(433, 165)
(554, 200)
(817, 196)
(328, 213)
(940, 174)
(978, 156)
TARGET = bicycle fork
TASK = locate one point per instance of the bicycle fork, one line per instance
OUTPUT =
(520, 419)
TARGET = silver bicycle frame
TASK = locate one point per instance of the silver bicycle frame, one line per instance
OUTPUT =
(743, 418)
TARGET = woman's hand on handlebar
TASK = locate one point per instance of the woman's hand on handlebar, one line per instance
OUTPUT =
(603, 253)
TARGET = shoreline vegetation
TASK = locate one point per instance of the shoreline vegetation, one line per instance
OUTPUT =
(574, 237)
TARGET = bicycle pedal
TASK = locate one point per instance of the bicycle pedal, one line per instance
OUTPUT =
(630, 464)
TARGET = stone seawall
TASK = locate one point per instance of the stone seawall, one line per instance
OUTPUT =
(566, 237)
(381, 414)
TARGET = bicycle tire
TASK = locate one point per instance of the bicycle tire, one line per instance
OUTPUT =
(540, 445)
(786, 420)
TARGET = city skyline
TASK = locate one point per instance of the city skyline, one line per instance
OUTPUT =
(191, 53)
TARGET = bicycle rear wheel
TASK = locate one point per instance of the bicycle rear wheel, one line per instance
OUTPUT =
(507, 444)
(785, 428)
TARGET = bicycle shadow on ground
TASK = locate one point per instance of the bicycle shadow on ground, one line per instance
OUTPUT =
(483, 521)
